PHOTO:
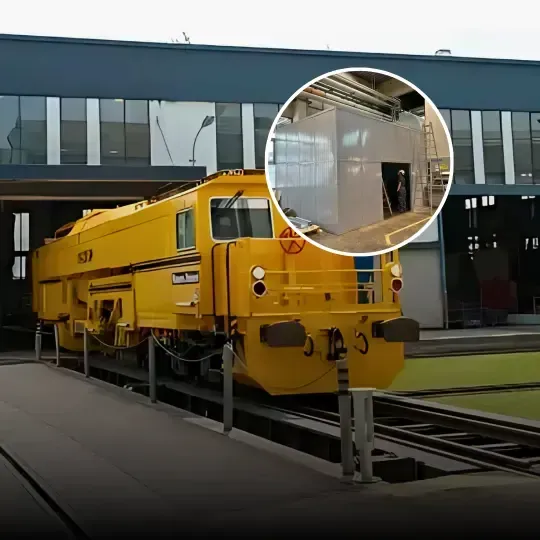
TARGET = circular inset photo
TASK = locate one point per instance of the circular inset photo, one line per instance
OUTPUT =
(359, 161)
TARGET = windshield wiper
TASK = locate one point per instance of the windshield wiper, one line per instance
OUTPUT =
(233, 199)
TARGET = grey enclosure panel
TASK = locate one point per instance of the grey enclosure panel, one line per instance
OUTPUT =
(305, 169)
(421, 296)
(328, 166)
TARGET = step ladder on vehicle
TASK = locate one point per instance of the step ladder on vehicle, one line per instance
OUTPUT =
(430, 184)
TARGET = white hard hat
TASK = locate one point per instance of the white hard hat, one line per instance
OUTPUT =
(402, 172)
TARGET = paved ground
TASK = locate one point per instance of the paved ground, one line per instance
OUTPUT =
(124, 468)
(374, 237)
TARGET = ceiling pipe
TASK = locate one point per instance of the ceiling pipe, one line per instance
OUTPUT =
(312, 94)
(366, 90)
(331, 91)
(347, 89)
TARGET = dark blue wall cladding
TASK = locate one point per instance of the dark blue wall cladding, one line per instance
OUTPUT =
(90, 68)
(102, 172)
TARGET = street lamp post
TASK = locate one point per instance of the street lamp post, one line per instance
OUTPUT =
(208, 121)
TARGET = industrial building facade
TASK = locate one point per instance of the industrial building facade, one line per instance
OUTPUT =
(80, 116)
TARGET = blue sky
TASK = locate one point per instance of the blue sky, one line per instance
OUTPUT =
(467, 27)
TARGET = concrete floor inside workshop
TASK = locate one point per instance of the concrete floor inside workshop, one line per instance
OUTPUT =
(375, 237)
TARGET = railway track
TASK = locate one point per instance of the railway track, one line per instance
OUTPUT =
(470, 390)
(42, 497)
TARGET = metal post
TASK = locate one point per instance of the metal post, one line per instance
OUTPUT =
(364, 433)
(345, 421)
(39, 341)
(86, 344)
(152, 368)
(57, 344)
(228, 407)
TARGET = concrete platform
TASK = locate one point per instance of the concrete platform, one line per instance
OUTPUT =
(475, 340)
(376, 237)
(124, 468)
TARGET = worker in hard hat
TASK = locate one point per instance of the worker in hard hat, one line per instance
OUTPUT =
(402, 192)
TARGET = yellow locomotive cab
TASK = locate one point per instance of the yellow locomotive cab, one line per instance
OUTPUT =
(217, 262)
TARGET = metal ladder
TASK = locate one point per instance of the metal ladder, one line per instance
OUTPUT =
(430, 186)
(386, 200)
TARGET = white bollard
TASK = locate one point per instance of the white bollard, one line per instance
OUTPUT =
(345, 421)
(86, 345)
(364, 433)
(39, 341)
(57, 344)
(228, 405)
(152, 368)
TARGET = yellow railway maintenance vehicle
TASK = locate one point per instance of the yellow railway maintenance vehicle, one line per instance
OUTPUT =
(215, 262)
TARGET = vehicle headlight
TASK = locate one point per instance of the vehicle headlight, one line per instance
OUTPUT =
(258, 273)
(396, 270)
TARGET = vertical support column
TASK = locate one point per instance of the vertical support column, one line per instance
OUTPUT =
(86, 344)
(228, 407)
(508, 147)
(152, 368)
(364, 433)
(39, 341)
(345, 421)
(57, 343)
(478, 147)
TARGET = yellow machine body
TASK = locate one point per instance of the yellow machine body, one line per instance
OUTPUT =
(211, 264)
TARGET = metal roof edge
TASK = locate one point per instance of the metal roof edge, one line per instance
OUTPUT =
(262, 50)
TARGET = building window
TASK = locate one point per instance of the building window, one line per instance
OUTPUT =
(73, 148)
(10, 130)
(185, 230)
(33, 112)
(535, 137)
(125, 132)
(23, 130)
(493, 147)
(230, 150)
(522, 141)
(21, 244)
(137, 133)
(445, 113)
(264, 116)
(462, 141)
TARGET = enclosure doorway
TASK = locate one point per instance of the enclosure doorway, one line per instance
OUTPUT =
(390, 179)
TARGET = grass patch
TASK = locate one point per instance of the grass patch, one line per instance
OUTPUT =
(523, 404)
(475, 370)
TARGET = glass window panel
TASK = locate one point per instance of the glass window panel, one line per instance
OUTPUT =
(445, 113)
(185, 230)
(230, 150)
(137, 133)
(461, 125)
(521, 134)
(19, 267)
(113, 142)
(73, 137)
(493, 147)
(246, 218)
(264, 116)
(10, 130)
(33, 130)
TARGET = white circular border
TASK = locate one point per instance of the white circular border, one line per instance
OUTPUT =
(446, 131)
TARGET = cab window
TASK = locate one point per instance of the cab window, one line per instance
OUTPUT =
(245, 218)
(185, 230)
